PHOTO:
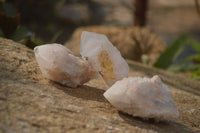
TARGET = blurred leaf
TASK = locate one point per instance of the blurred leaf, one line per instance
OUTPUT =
(32, 41)
(20, 33)
(55, 37)
(183, 68)
(23, 41)
(190, 58)
(194, 44)
(38, 41)
(167, 58)
(169, 55)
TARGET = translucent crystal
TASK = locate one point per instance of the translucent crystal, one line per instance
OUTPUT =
(143, 97)
(103, 56)
(57, 63)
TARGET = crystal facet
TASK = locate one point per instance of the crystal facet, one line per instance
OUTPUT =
(143, 97)
(103, 56)
(57, 63)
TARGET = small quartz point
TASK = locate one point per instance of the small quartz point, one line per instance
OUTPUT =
(104, 57)
(143, 97)
(57, 63)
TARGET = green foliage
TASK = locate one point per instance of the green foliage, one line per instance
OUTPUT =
(167, 58)
(194, 44)
(184, 68)
(10, 27)
(170, 54)
(20, 33)
(55, 37)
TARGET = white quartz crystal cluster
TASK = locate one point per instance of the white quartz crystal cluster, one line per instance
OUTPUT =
(143, 97)
(100, 57)
(57, 63)
(104, 57)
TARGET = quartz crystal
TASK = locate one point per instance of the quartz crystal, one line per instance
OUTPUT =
(57, 63)
(103, 56)
(143, 97)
